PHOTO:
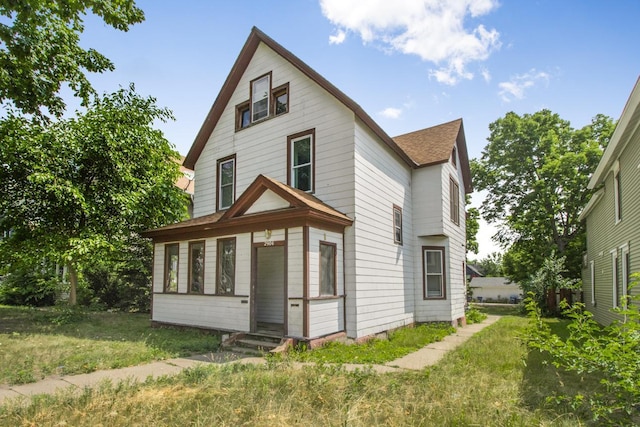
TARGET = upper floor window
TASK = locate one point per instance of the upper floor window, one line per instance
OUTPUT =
(263, 102)
(281, 100)
(301, 167)
(454, 157)
(171, 260)
(397, 224)
(196, 267)
(225, 196)
(454, 201)
(617, 194)
(260, 97)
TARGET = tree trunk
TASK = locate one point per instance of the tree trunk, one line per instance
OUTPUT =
(73, 283)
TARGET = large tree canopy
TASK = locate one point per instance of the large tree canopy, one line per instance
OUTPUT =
(535, 170)
(40, 49)
(79, 188)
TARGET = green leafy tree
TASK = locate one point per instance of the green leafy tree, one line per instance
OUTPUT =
(535, 170)
(40, 49)
(491, 265)
(81, 189)
(472, 226)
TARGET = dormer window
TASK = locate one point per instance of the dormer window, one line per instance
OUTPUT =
(260, 97)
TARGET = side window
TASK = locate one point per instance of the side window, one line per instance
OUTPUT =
(300, 161)
(397, 224)
(454, 201)
(226, 271)
(327, 268)
(433, 272)
(260, 97)
(171, 260)
(243, 115)
(196, 267)
(617, 191)
(454, 157)
(280, 100)
(226, 176)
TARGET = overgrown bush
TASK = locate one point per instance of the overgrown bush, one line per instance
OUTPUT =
(542, 286)
(610, 352)
(473, 315)
(29, 287)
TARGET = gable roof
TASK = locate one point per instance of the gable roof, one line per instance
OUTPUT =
(255, 38)
(434, 145)
(626, 127)
(452, 131)
(304, 209)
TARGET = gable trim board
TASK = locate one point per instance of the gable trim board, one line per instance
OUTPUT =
(359, 175)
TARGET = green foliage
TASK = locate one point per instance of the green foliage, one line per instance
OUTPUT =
(472, 226)
(535, 170)
(610, 353)
(34, 288)
(547, 279)
(400, 343)
(473, 315)
(40, 50)
(79, 190)
(491, 266)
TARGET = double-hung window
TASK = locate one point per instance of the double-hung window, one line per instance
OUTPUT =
(226, 262)
(225, 195)
(397, 224)
(327, 268)
(260, 97)
(434, 280)
(301, 160)
(171, 261)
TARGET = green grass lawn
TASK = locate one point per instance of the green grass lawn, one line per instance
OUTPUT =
(35, 343)
(490, 380)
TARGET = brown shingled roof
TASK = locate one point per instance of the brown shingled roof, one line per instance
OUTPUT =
(304, 209)
(434, 145)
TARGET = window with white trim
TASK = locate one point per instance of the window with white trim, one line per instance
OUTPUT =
(592, 272)
(454, 201)
(226, 182)
(397, 224)
(434, 278)
(614, 277)
(625, 272)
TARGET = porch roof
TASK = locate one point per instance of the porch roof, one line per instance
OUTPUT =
(304, 210)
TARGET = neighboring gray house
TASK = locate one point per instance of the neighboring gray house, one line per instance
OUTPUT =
(494, 289)
(309, 219)
(613, 218)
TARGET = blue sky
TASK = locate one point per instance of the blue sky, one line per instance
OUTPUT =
(410, 64)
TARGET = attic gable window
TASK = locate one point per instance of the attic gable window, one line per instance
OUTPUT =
(454, 158)
(280, 100)
(243, 115)
(260, 97)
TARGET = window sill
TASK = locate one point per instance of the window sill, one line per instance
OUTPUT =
(266, 119)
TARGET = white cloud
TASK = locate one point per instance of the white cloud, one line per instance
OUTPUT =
(486, 75)
(515, 88)
(432, 29)
(338, 38)
(391, 113)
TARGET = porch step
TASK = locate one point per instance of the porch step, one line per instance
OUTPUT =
(256, 344)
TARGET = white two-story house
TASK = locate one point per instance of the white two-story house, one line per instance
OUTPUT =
(308, 218)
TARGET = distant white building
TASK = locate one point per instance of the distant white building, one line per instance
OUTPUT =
(494, 289)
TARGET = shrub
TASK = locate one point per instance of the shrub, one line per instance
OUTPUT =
(611, 352)
(473, 315)
(29, 287)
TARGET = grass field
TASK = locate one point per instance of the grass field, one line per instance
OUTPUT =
(491, 380)
(35, 343)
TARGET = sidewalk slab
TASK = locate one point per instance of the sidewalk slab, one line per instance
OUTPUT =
(46, 386)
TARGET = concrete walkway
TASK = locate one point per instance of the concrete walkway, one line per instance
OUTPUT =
(426, 356)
